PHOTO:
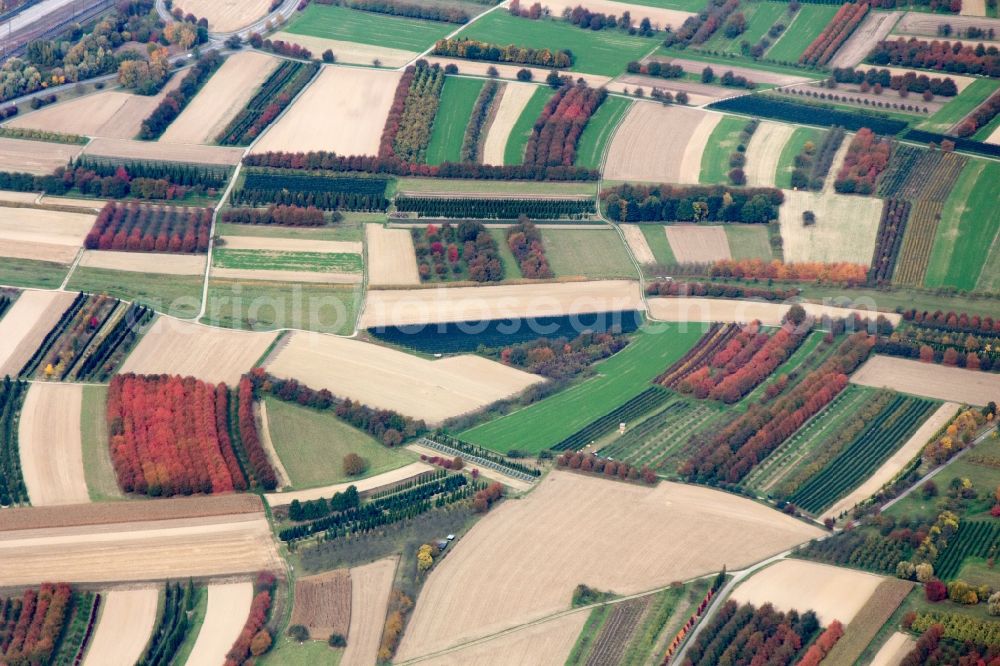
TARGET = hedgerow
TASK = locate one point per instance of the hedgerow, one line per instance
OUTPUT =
(470, 49)
(691, 203)
(274, 95)
(765, 106)
(325, 191)
(495, 209)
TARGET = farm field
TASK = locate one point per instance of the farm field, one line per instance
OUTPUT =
(370, 588)
(928, 380)
(42, 235)
(764, 153)
(350, 229)
(760, 17)
(620, 378)
(875, 27)
(977, 92)
(323, 119)
(519, 129)
(794, 145)
(323, 603)
(638, 243)
(595, 254)
(25, 325)
(228, 607)
(226, 15)
(174, 347)
(391, 257)
(28, 273)
(351, 25)
(147, 262)
(846, 227)
(748, 241)
(692, 243)
(734, 311)
(509, 105)
(549, 642)
(312, 444)
(800, 32)
(350, 52)
(389, 379)
(650, 537)
(50, 445)
(599, 130)
(128, 149)
(102, 483)
(177, 295)
(605, 52)
(524, 188)
(457, 99)
(127, 620)
(723, 140)
(834, 593)
(660, 144)
(258, 305)
(35, 157)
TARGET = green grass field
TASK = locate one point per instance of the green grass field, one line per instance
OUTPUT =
(733, 60)
(178, 295)
(760, 17)
(593, 253)
(102, 483)
(986, 130)
(28, 273)
(603, 52)
(960, 106)
(620, 378)
(287, 652)
(521, 131)
(748, 241)
(264, 306)
(312, 444)
(269, 260)
(805, 26)
(457, 99)
(656, 238)
(597, 133)
(968, 229)
(786, 163)
(351, 25)
(723, 141)
(511, 269)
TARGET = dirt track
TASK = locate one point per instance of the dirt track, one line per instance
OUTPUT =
(145, 262)
(26, 324)
(226, 15)
(512, 102)
(125, 626)
(391, 257)
(211, 354)
(373, 482)
(693, 243)
(228, 609)
(370, 587)
(50, 445)
(350, 52)
(637, 242)
(875, 28)
(642, 538)
(36, 157)
(834, 593)
(390, 379)
(343, 111)
(653, 141)
(764, 152)
(846, 227)
(930, 380)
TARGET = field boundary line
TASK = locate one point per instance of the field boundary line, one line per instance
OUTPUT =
(72, 269)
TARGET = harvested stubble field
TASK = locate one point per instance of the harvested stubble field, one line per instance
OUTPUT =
(224, 96)
(211, 354)
(929, 380)
(50, 445)
(389, 379)
(37, 157)
(658, 15)
(637, 243)
(764, 152)
(692, 243)
(227, 611)
(349, 52)
(834, 593)
(846, 227)
(736, 311)
(226, 15)
(893, 650)
(648, 538)
(370, 588)
(371, 484)
(512, 99)
(343, 110)
(457, 304)
(137, 551)
(127, 149)
(323, 603)
(44, 235)
(548, 642)
(926, 24)
(869, 620)
(661, 144)
(391, 257)
(126, 624)
(145, 262)
(26, 324)
(875, 28)
(907, 452)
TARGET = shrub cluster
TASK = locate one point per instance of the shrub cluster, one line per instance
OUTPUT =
(836, 32)
(470, 49)
(719, 290)
(286, 216)
(810, 168)
(411, 118)
(691, 203)
(698, 28)
(467, 248)
(867, 157)
(956, 57)
(254, 640)
(175, 101)
(561, 358)
(525, 242)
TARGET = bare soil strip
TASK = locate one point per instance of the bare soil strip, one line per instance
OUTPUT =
(736, 311)
(224, 96)
(343, 111)
(323, 603)
(651, 143)
(83, 115)
(515, 97)
(145, 262)
(846, 227)
(60, 254)
(894, 649)
(755, 75)
(350, 52)
(764, 152)
(838, 161)
(371, 484)
(697, 244)
(648, 538)
(50, 446)
(370, 588)
(312, 277)
(460, 304)
(290, 244)
(875, 28)
(26, 324)
(124, 628)
(637, 242)
(228, 608)
(834, 593)
(226, 15)
(929, 380)
(36, 157)
(973, 8)
(659, 17)
(177, 347)
(154, 150)
(391, 257)
(910, 449)
(225, 545)
(926, 24)
(389, 379)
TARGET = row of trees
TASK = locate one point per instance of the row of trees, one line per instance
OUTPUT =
(175, 101)
(656, 68)
(910, 81)
(558, 128)
(172, 625)
(980, 116)
(286, 216)
(811, 167)
(818, 651)
(588, 462)
(760, 636)
(867, 157)
(836, 32)
(525, 242)
(263, 473)
(274, 95)
(470, 49)
(137, 227)
(472, 141)
(12, 488)
(691, 203)
(560, 358)
(443, 13)
(254, 639)
(957, 322)
(588, 20)
(956, 57)
(697, 28)
(934, 648)
(31, 626)
(408, 126)
(889, 240)
(719, 290)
